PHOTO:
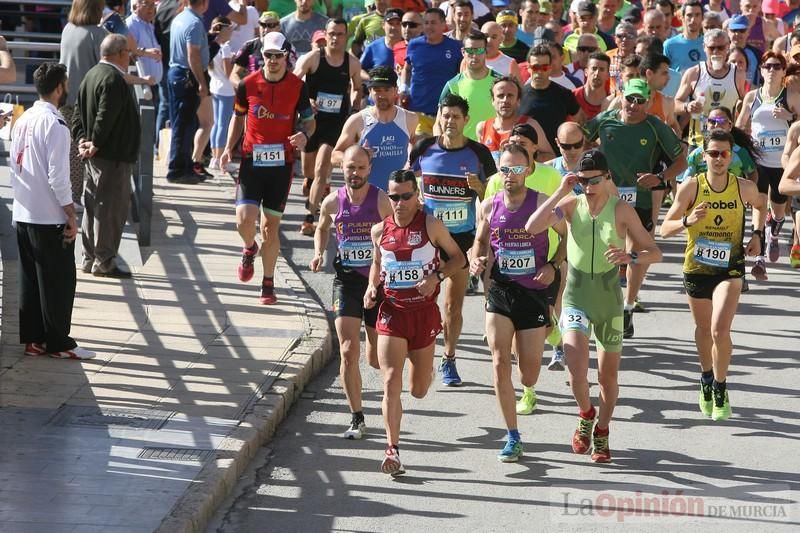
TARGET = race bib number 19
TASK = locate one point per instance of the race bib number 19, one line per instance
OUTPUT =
(268, 155)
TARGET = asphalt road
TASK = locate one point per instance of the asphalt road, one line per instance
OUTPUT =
(740, 475)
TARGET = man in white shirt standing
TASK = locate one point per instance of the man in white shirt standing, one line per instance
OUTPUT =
(45, 220)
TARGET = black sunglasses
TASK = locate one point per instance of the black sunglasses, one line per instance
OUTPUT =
(409, 24)
(589, 49)
(573, 146)
(404, 196)
(269, 24)
(636, 99)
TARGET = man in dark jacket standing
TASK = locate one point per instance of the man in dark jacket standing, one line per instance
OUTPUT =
(106, 125)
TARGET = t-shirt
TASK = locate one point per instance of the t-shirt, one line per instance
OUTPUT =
(432, 68)
(476, 93)
(244, 32)
(633, 149)
(684, 53)
(220, 84)
(377, 54)
(299, 32)
(350, 8)
(517, 51)
(369, 28)
(218, 8)
(249, 56)
(550, 106)
(187, 28)
(604, 41)
(284, 7)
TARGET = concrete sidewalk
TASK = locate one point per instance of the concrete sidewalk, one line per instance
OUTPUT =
(192, 376)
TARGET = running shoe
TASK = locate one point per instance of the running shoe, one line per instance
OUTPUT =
(581, 439)
(307, 228)
(214, 164)
(558, 362)
(472, 285)
(267, 294)
(511, 452)
(246, 269)
(600, 453)
(623, 276)
(200, 171)
(638, 307)
(759, 270)
(627, 317)
(773, 247)
(706, 399)
(75, 353)
(794, 257)
(450, 377)
(391, 463)
(527, 403)
(722, 406)
(35, 348)
(356, 430)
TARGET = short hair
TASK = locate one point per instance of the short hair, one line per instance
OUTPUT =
(666, 3)
(771, 54)
(476, 35)
(86, 12)
(542, 50)
(336, 22)
(711, 15)
(654, 44)
(511, 148)
(600, 56)
(650, 14)
(714, 34)
(113, 44)
(506, 79)
(453, 100)
(652, 62)
(692, 3)
(525, 130)
(48, 76)
(403, 176)
(632, 61)
(114, 3)
(464, 3)
(718, 135)
(436, 11)
(552, 46)
(627, 27)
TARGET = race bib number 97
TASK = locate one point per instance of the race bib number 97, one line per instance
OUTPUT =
(329, 103)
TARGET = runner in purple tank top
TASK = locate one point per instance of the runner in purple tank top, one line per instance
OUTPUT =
(353, 210)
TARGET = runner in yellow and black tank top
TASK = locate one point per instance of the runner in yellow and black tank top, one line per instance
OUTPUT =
(714, 245)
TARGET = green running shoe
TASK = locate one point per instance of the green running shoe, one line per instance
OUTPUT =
(721, 409)
(527, 404)
(706, 399)
(511, 452)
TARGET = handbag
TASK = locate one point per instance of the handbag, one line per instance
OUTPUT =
(15, 111)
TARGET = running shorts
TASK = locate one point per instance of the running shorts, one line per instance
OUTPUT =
(348, 299)
(527, 309)
(594, 303)
(768, 180)
(327, 132)
(701, 286)
(418, 325)
(464, 241)
(646, 217)
(267, 187)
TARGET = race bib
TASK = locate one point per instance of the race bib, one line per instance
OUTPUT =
(268, 155)
(516, 262)
(329, 103)
(771, 140)
(573, 319)
(712, 253)
(627, 195)
(452, 215)
(356, 254)
(403, 274)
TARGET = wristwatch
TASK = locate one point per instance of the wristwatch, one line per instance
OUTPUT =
(440, 276)
(634, 257)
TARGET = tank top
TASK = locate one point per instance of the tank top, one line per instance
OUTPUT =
(590, 110)
(501, 63)
(769, 132)
(353, 224)
(407, 256)
(657, 106)
(714, 244)
(756, 38)
(716, 92)
(589, 237)
(387, 142)
(492, 139)
(518, 254)
(329, 86)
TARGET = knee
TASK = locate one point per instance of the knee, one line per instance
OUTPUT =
(501, 366)
(719, 335)
(419, 390)
(607, 380)
(349, 352)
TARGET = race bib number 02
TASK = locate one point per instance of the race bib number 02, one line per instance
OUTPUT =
(403, 274)
(268, 155)
(517, 262)
(627, 195)
(329, 103)
(356, 254)
(712, 253)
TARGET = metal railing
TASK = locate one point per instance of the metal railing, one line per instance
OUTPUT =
(142, 197)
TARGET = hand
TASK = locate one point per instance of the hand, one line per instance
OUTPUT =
(405, 100)
(153, 53)
(86, 149)
(71, 229)
(617, 256)
(370, 297)
(698, 214)
(150, 80)
(316, 263)
(781, 113)
(3, 44)
(477, 265)
(314, 106)
(546, 276)
(694, 107)
(648, 180)
(298, 140)
(475, 183)
(225, 158)
(428, 285)
(753, 247)
(568, 182)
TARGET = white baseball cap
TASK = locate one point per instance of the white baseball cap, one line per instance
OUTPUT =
(275, 42)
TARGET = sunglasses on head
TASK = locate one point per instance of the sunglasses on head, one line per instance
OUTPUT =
(269, 24)
(409, 24)
(274, 55)
(589, 49)
(573, 146)
(772, 66)
(636, 99)
(594, 180)
(403, 196)
(514, 169)
(716, 154)
(475, 51)
(539, 68)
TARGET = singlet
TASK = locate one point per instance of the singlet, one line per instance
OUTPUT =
(444, 172)
(407, 256)
(756, 37)
(271, 108)
(657, 106)
(589, 237)
(716, 92)
(590, 110)
(330, 87)
(714, 245)
(475, 93)
(387, 142)
(500, 63)
(518, 254)
(769, 133)
(492, 139)
(353, 224)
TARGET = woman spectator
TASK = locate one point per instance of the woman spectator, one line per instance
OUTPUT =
(221, 88)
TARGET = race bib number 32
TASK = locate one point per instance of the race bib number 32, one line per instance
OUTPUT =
(712, 253)
(268, 155)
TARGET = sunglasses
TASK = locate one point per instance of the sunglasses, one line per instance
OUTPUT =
(772, 66)
(515, 169)
(269, 24)
(404, 196)
(720, 48)
(718, 121)
(539, 68)
(622, 36)
(274, 55)
(588, 49)
(407, 24)
(594, 180)
(716, 154)
(475, 51)
(636, 99)
(573, 146)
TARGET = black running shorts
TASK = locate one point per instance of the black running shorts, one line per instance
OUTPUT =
(267, 187)
(527, 309)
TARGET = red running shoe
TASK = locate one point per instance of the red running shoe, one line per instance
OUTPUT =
(246, 267)
(581, 439)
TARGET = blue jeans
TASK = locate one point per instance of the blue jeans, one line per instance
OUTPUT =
(183, 104)
(162, 113)
(223, 110)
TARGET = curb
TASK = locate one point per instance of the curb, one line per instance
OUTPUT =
(218, 477)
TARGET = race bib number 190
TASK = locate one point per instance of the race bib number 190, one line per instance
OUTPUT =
(268, 155)
(712, 253)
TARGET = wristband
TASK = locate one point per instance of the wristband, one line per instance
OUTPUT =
(685, 222)
(634, 257)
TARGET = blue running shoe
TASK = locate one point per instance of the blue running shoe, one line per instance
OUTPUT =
(511, 452)
(450, 377)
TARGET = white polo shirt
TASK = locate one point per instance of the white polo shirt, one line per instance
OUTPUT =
(39, 161)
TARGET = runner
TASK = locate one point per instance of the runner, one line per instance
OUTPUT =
(789, 183)
(495, 59)
(517, 305)
(271, 100)
(570, 140)
(331, 74)
(593, 298)
(453, 171)
(406, 272)
(711, 206)
(385, 129)
(353, 210)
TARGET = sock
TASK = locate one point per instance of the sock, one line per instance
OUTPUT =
(267, 284)
(396, 448)
(526, 389)
(628, 307)
(514, 434)
(358, 416)
(450, 357)
(719, 392)
(706, 377)
(251, 249)
(587, 415)
(776, 225)
(600, 432)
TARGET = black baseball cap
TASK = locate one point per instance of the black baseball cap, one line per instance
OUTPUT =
(592, 160)
(393, 14)
(382, 77)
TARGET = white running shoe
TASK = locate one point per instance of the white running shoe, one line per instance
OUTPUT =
(557, 362)
(391, 463)
(75, 353)
(356, 431)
